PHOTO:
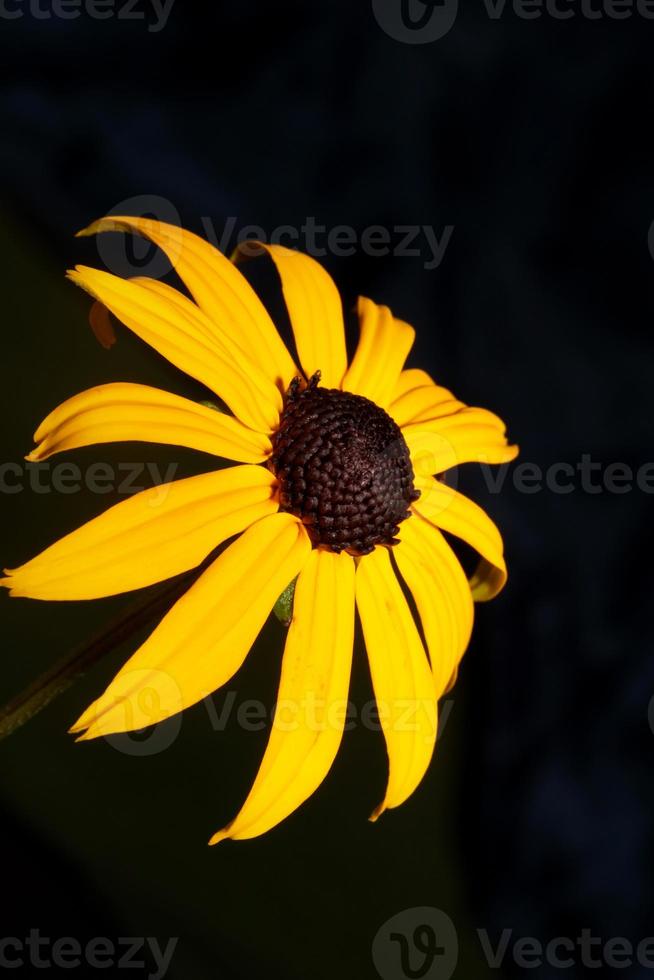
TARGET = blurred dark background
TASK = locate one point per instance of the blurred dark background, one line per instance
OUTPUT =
(530, 139)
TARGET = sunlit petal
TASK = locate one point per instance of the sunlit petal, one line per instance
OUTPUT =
(149, 537)
(384, 344)
(453, 512)
(219, 289)
(129, 412)
(311, 705)
(441, 593)
(183, 338)
(204, 639)
(315, 310)
(402, 678)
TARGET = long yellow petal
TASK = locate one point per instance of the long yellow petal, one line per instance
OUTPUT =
(149, 537)
(441, 593)
(470, 435)
(402, 678)
(130, 412)
(384, 344)
(453, 512)
(204, 639)
(311, 706)
(179, 331)
(409, 379)
(315, 310)
(219, 289)
(425, 402)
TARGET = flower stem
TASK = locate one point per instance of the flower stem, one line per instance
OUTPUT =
(74, 664)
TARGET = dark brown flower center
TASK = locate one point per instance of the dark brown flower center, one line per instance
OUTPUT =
(343, 468)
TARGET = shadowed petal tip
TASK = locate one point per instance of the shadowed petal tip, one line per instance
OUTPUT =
(377, 812)
(219, 836)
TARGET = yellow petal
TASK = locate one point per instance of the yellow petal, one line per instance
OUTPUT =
(402, 678)
(425, 402)
(204, 639)
(311, 705)
(315, 310)
(409, 379)
(179, 331)
(470, 435)
(149, 537)
(219, 289)
(130, 412)
(441, 593)
(384, 344)
(452, 512)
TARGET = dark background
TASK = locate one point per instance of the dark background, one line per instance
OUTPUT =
(532, 138)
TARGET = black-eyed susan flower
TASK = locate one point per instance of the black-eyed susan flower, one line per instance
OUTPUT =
(336, 487)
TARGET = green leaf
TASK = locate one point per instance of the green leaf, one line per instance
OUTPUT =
(283, 608)
(216, 407)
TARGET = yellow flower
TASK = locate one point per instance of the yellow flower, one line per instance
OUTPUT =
(334, 458)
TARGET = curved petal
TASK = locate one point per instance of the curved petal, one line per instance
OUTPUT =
(311, 706)
(402, 678)
(315, 310)
(384, 345)
(441, 593)
(453, 512)
(219, 289)
(131, 412)
(149, 537)
(426, 402)
(179, 331)
(409, 379)
(465, 437)
(207, 634)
